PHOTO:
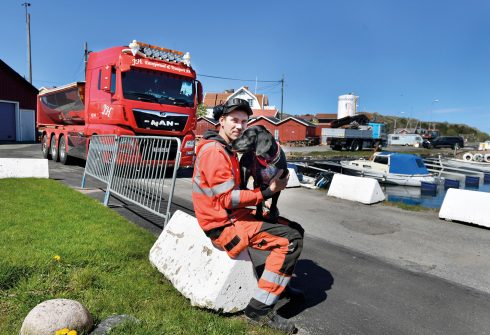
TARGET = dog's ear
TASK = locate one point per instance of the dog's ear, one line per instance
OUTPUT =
(264, 143)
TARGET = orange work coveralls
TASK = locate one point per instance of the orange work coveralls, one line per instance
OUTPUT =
(220, 208)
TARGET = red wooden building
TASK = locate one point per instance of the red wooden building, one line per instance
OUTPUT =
(289, 130)
(204, 124)
(17, 106)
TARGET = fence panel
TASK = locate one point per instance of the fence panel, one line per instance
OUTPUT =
(101, 155)
(142, 170)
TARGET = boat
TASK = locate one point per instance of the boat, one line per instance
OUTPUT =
(465, 164)
(457, 169)
(391, 168)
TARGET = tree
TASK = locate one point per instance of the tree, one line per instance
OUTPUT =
(201, 111)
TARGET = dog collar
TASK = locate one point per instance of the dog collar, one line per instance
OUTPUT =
(262, 161)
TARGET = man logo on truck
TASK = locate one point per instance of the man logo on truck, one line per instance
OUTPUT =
(163, 123)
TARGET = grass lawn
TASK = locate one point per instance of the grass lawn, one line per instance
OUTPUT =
(103, 264)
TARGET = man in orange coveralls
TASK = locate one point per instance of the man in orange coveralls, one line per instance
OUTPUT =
(220, 207)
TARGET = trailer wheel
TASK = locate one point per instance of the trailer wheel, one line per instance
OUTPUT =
(54, 149)
(45, 147)
(62, 151)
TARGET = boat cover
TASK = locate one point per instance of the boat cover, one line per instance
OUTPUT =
(405, 163)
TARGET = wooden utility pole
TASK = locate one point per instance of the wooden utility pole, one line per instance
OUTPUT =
(282, 97)
(85, 56)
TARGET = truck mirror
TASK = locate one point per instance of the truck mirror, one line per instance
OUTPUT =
(199, 92)
(105, 78)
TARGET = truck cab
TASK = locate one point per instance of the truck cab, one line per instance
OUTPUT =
(136, 90)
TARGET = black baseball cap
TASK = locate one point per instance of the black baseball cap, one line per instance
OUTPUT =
(230, 106)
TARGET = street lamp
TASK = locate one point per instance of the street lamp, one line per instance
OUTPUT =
(28, 27)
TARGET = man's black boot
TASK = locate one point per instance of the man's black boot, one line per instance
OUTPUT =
(269, 318)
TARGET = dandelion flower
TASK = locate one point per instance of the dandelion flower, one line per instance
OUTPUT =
(63, 331)
(72, 332)
(58, 258)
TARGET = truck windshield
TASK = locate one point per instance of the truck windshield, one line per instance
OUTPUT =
(153, 86)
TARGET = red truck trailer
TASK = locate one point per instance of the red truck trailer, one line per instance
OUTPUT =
(138, 89)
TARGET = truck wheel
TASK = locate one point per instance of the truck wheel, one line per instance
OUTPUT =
(355, 146)
(45, 147)
(63, 155)
(54, 150)
(337, 147)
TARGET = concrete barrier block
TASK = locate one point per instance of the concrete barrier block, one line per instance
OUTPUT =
(23, 168)
(360, 189)
(466, 206)
(201, 272)
(293, 179)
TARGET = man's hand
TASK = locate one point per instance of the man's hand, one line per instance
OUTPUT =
(277, 184)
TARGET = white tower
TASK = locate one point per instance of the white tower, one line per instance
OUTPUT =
(347, 105)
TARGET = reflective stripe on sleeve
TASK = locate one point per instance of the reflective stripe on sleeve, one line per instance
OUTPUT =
(211, 191)
(235, 198)
(201, 190)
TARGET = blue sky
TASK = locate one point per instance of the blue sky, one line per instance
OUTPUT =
(398, 56)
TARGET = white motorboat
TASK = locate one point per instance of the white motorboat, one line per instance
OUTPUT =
(391, 168)
(466, 164)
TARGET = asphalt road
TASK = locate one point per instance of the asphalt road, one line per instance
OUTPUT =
(365, 269)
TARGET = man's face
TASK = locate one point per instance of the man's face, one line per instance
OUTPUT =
(232, 125)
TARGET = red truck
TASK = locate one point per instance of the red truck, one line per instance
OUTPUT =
(139, 89)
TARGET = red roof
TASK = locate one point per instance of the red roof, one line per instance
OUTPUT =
(214, 99)
(265, 112)
(326, 116)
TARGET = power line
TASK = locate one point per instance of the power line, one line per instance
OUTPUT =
(268, 88)
(79, 66)
(237, 79)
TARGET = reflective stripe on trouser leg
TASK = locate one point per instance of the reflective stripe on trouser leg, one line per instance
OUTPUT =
(285, 245)
(270, 287)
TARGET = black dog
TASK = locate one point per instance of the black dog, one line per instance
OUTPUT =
(262, 158)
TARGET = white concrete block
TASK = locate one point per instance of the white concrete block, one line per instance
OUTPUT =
(466, 206)
(360, 189)
(23, 168)
(200, 271)
(293, 179)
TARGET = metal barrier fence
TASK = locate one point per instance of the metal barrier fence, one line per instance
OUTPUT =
(134, 168)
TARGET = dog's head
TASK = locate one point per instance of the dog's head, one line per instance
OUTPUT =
(255, 138)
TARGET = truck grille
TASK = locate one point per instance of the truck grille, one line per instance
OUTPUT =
(151, 152)
(156, 120)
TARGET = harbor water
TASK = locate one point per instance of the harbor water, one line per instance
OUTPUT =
(404, 194)
(416, 196)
